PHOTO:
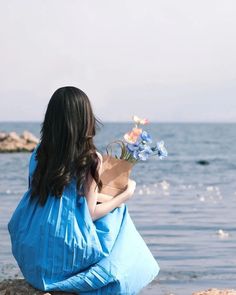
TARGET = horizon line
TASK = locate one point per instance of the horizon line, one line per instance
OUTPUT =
(130, 121)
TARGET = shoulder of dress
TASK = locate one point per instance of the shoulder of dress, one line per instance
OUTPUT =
(32, 156)
(36, 148)
(38, 144)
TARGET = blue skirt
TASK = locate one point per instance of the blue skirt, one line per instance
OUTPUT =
(59, 247)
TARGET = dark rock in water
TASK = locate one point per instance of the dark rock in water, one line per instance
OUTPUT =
(12, 142)
(203, 162)
(21, 287)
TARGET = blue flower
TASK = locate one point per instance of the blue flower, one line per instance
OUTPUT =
(162, 152)
(142, 153)
(145, 153)
(141, 150)
(132, 147)
(135, 154)
(145, 136)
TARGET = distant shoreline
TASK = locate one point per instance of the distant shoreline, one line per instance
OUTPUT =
(128, 122)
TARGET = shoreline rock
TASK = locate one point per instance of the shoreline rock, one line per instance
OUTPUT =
(12, 142)
(214, 291)
(21, 287)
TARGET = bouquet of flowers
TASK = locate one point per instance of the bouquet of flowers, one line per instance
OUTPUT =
(135, 147)
(137, 144)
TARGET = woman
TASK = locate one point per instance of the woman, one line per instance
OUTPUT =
(65, 234)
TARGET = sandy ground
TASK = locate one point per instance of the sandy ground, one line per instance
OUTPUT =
(19, 286)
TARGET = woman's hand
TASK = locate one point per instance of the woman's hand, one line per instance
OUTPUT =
(130, 188)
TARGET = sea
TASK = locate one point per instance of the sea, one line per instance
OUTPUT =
(184, 206)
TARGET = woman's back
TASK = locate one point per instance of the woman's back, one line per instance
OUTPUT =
(61, 239)
(60, 234)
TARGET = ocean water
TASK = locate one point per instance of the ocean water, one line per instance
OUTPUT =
(184, 211)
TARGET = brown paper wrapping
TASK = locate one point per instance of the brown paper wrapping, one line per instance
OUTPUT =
(115, 175)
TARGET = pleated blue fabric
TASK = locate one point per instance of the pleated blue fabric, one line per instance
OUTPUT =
(59, 247)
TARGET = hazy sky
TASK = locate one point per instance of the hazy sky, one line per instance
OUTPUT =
(164, 60)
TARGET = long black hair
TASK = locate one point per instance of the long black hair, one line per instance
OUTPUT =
(66, 148)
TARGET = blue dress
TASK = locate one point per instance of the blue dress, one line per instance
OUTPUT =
(59, 247)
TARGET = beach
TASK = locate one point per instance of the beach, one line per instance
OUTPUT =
(184, 209)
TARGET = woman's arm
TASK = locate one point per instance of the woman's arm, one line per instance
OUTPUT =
(106, 207)
(103, 197)
(91, 194)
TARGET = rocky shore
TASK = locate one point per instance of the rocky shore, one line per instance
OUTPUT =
(12, 142)
(216, 292)
(21, 287)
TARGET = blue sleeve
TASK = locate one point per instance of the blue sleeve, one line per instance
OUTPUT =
(32, 165)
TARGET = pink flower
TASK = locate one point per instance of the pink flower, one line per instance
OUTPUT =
(138, 120)
(132, 136)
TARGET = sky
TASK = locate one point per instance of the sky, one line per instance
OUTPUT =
(168, 61)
